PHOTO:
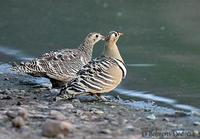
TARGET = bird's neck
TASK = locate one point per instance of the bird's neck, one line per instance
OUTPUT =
(111, 50)
(87, 48)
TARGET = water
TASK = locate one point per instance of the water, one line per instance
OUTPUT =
(161, 45)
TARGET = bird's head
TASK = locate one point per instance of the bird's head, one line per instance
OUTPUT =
(94, 37)
(113, 37)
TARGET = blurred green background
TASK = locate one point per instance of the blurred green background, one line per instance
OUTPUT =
(164, 33)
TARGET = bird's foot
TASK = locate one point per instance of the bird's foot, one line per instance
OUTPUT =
(64, 97)
(100, 97)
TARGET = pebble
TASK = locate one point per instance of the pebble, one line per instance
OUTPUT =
(23, 113)
(196, 133)
(129, 128)
(54, 128)
(181, 114)
(196, 113)
(19, 103)
(60, 136)
(105, 131)
(76, 101)
(69, 106)
(65, 106)
(174, 125)
(78, 112)
(151, 117)
(6, 79)
(196, 123)
(18, 122)
(11, 114)
(96, 111)
(6, 91)
(57, 115)
(166, 119)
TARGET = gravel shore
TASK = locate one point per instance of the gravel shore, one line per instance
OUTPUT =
(28, 111)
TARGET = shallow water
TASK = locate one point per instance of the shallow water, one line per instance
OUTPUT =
(160, 45)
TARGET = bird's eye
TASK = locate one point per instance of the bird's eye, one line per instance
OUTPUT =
(97, 36)
(115, 34)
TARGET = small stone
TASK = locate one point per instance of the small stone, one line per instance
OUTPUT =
(57, 115)
(196, 123)
(23, 113)
(60, 136)
(65, 106)
(53, 128)
(18, 122)
(129, 127)
(23, 91)
(6, 79)
(174, 125)
(166, 119)
(15, 90)
(7, 97)
(181, 114)
(69, 106)
(151, 117)
(54, 91)
(196, 113)
(106, 131)
(124, 121)
(76, 101)
(79, 112)
(10, 114)
(6, 91)
(96, 111)
(196, 133)
(84, 117)
(112, 106)
(19, 103)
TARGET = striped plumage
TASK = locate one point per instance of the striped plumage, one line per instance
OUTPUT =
(61, 66)
(100, 75)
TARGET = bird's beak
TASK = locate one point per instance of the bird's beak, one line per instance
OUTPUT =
(120, 33)
(103, 37)
(107, 38)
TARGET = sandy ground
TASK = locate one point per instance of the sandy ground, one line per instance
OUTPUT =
(90, 119)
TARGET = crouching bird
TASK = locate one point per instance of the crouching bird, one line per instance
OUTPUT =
(61, 66)
(100, 75)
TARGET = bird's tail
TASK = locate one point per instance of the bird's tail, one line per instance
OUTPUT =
(28, 67)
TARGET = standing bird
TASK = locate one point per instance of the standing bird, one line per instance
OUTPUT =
(100, 75)
(61, 66)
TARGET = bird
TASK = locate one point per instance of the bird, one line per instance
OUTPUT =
(61, 66)
(100, 75)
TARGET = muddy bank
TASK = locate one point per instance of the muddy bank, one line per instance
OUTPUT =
(117, 118)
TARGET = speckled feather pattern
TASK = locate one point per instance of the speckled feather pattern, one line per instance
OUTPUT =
(61, 65)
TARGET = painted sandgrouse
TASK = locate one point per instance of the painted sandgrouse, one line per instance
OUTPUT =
(61, 66)
(100, 75)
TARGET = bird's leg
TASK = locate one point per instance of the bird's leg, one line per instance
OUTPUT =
(56, 83)
(100, 97)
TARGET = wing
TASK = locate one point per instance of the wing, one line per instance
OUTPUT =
(98, 76)
(60, 65)
(64, 54)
